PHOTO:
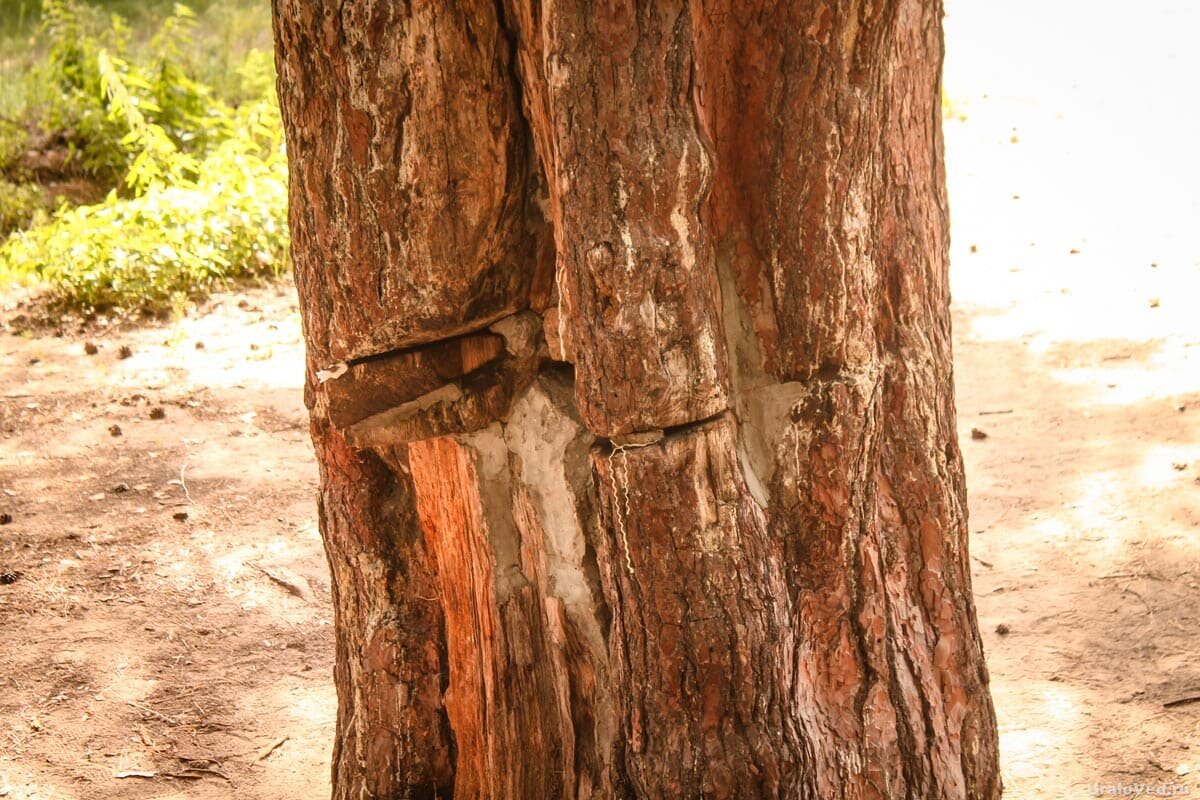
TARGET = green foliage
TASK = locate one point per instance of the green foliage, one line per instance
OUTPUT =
(17, 15)
(157, 159)
(174, 238)
(204, 184)
(21, 205)
(107, 104)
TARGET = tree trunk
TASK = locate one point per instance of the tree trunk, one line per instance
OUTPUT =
(630, 379)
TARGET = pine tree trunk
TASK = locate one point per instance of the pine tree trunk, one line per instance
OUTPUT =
(630, 378)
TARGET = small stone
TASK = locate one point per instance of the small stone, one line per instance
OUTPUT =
(978, 434)
(1003, 629)
(199, 345)
(8, 576)
(114, 430)
(1179, 466)
(120, 488)
(1154, 302)
(34, 360)
(158, 412)
(974, 248)
(180, 516)
(125, 352)
(5, 518)
(1074, 251)
(90, 348)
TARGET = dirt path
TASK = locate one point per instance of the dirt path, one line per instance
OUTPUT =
(133, 642)
(166, 632)
(1076, 272)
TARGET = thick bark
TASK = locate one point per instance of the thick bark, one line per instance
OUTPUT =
(610, 100)
(411, 173)
(722, 551)
(393, 738)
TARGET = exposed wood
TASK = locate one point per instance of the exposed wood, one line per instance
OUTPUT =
(393, 737)
(503, 699)
(390, 380)
(461, 406)
(455, 534)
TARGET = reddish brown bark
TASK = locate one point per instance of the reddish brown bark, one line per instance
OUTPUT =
(412, 172)
(393, 738)
(610, 101)
(722, 552)
(701, 644)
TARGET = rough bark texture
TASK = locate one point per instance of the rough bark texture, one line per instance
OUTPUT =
(610, 98)
(413, 180)
(629, 370)
(393, 737)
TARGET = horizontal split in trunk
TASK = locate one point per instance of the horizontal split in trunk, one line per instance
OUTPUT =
(455, 386)
(390, 380)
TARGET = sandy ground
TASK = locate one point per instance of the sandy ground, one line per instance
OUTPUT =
(1076, 272)
(145, 656)
(167, 631)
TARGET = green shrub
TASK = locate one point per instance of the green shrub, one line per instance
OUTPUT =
(204, 197)
(86, 66)
(181, 237)
(22, 205)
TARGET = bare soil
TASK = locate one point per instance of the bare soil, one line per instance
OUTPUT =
(1076, 272)
(147, 654)
(166, 631)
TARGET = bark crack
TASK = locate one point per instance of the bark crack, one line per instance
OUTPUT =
(651, 436)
